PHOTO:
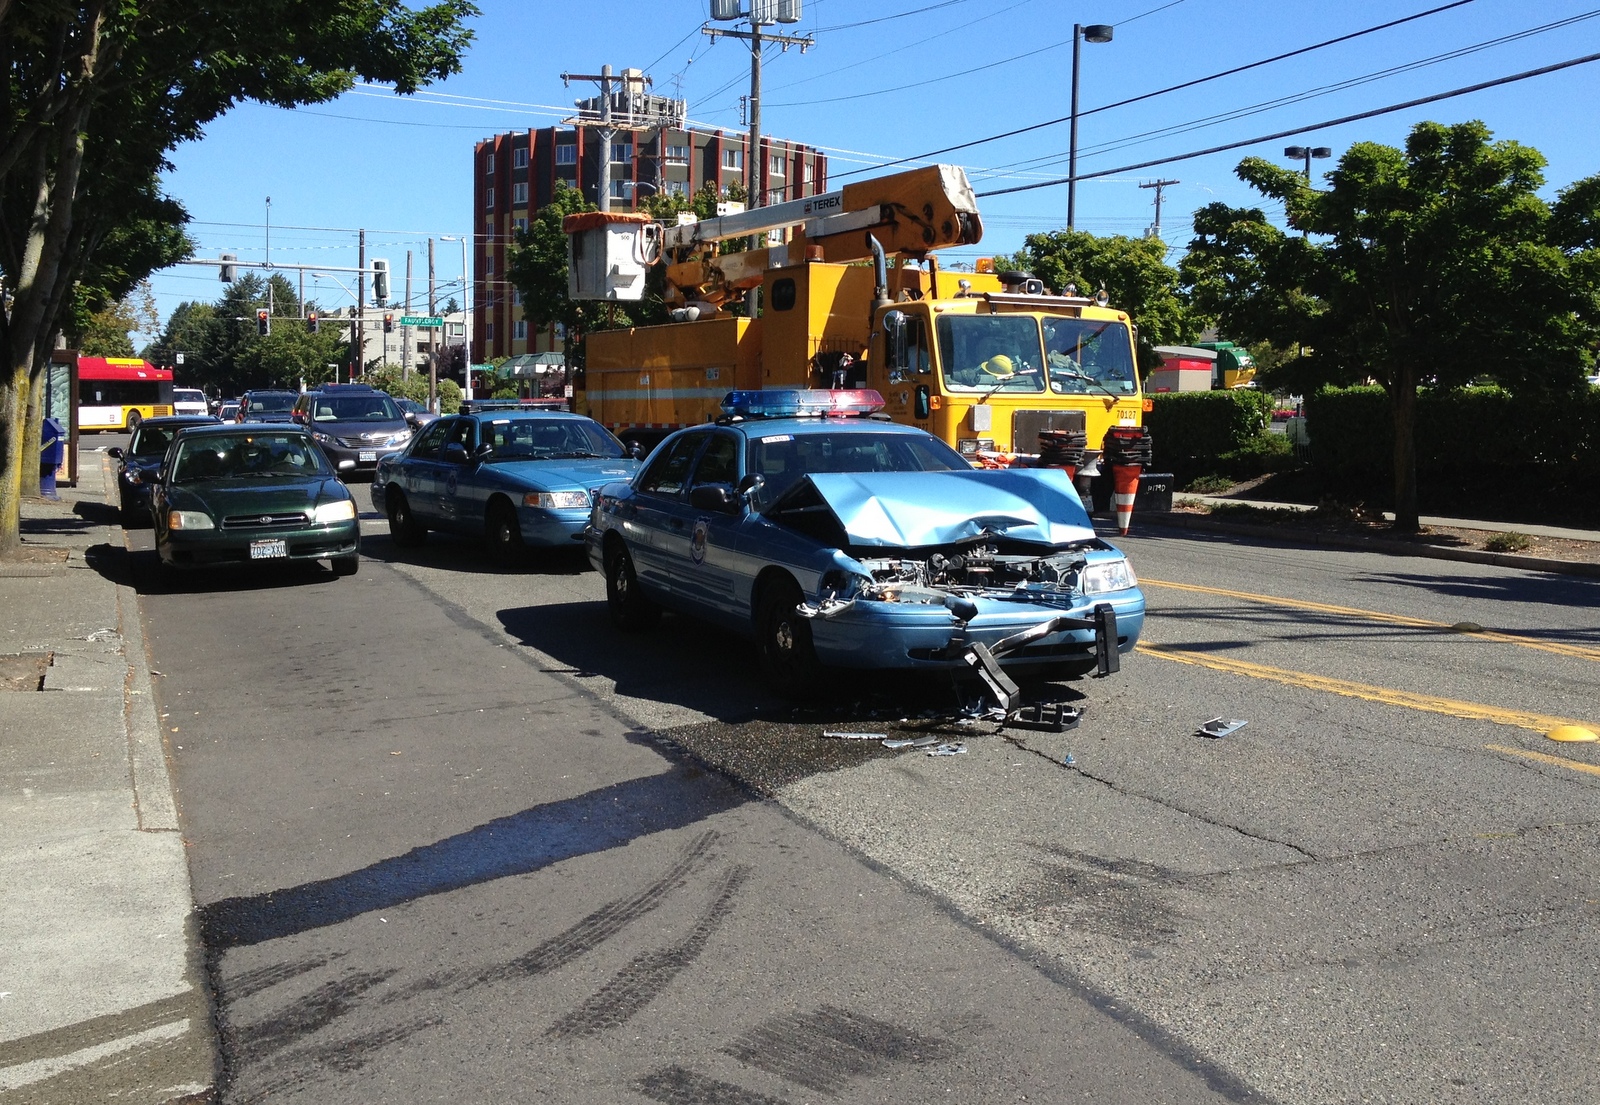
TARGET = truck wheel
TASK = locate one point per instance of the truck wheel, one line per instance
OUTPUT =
(404, 529)
(631, 609)
(505, 535)
(787, 655)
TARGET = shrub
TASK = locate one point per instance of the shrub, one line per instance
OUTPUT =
(1510, 541)
(1190, 431)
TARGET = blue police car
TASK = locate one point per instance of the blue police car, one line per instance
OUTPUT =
(835, 539)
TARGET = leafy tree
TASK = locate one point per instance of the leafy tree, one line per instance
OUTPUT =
(1437, 264)
(107, 332)
(1134, 273)
(97, 94)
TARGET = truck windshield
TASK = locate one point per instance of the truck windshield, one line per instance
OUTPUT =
(981, 353)
(1085, 354)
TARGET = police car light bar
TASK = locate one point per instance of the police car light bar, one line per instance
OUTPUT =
(793, 402)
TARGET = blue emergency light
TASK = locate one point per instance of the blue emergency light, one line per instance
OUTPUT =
(799, 402)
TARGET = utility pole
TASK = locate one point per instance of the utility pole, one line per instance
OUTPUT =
(405, 345)
(359, 360)
(1158, 185)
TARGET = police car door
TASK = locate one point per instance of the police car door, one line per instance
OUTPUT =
(655, 524)
(702, 568)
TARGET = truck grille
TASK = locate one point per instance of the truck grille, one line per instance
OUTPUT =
(1025, 427)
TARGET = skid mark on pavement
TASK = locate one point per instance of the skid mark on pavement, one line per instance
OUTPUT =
(1388, 696)
(1577, 652)
(643, 979)
(676, 1086)
(824, 1050)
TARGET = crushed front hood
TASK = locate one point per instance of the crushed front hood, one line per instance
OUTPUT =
(921, 509)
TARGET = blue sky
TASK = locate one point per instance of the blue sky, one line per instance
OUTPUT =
(889, 79)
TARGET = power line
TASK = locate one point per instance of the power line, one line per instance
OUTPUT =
(1557, 67)
(1164, 91)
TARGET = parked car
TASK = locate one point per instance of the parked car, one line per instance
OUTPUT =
(228, 410)
(518, 477)
(416, 413)
(249, 493)
(138, 463)
(266, 405)
(355, 424)
(189, 401)
(853, 543)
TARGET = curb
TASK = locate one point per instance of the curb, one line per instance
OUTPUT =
(1374, 544)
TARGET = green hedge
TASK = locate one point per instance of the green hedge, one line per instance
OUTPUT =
(1191, 431)
(1458, 433)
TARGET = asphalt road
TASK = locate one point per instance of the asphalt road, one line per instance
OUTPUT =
(455, 839)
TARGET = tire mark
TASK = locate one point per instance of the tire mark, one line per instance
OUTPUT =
(826, 1049)
(676, 1086)
(343, 1056)
(253, 982)
(311, 1013)
(647, 975)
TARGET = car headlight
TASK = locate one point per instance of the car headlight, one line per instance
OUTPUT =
(342, 511)
(557, 500)
(1107, 575)
(190, 519)
(321, 438)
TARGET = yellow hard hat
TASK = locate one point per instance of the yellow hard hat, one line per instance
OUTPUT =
(999, 365)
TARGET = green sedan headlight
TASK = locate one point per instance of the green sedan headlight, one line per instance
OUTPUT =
(190, 519)
(341, 511)
(557, 500)
(1107, 575)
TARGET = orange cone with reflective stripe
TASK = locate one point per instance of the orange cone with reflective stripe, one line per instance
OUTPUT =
(1124, 489)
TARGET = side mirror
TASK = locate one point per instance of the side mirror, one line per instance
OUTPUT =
(922, 406)
(115, 452)
(483, 452)
(719, 497)
(635, 450)
(411, 419)
(894, 339)
(454, 453)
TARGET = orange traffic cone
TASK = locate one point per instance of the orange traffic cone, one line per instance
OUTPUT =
(1124, 489)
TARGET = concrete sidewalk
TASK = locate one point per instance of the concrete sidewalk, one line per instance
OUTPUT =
(102, 995)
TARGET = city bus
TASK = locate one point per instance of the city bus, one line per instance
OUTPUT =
(117, 393)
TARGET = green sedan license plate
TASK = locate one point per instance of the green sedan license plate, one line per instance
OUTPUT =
(267, 550)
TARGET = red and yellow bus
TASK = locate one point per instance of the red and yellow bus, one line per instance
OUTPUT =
(117, 393)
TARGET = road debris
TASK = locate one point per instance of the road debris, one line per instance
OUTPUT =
(1047, 717)
(1068, 761)
(1217, 727)
(835, 734)
(955, 749)
(912, 742)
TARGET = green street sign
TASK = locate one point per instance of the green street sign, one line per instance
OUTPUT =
(421, 320)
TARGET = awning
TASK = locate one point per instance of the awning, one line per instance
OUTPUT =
(531, 364)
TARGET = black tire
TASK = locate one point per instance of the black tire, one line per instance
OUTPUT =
(347, 565)
(787, 656)
(134, 418)
(631, 609)
(404, 529)
(505, 535)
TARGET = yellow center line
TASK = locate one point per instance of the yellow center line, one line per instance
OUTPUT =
(1579, 652)
(1545, 758)
(1389, 696)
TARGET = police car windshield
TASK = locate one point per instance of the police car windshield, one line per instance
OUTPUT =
(781, 459)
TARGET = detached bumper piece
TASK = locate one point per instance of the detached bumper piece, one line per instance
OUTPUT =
(1047, 717)
(985, 660)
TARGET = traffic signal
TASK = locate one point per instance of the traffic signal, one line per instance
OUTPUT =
(311, 322)
(263, 322)
(380, 280)
(227, 272)
(388, 322)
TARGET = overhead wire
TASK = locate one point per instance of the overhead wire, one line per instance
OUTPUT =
(1324, 124)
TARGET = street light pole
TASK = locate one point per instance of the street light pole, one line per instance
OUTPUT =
(1307, 153)
(1094, 32)
(466, 303)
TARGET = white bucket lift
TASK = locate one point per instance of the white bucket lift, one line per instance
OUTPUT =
(608, 254)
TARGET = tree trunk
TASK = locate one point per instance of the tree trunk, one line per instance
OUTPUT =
(13, 404)
(33, 436)
(1403, 405)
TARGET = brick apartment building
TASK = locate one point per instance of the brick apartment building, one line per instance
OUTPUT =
(652, 148)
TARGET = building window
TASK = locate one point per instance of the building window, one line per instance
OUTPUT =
(519, 157)
(488, 331)
(488, 264)
(488, 197)
(808, 172)
(774, 195)
(566, 153)
(516, 298)
(519, 329)
(488, 165)
(678, 187)
(616, 190)
(775, 165)
(522, 224)
(733, 159)
(677, 155)
(519, 194)
(622, 153)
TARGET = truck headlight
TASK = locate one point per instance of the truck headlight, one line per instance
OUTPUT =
(341, 511)
(190, 520)
(1107, 575)
(557, 500)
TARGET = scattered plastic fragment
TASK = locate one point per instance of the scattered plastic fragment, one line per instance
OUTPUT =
(911, 742)
(1068, 761)
(1048, 717)
(956, 749)
(1217, 727)
(853, 736)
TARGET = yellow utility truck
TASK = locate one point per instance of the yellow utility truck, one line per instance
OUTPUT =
(853, 296)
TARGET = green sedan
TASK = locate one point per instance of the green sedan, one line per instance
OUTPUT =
(252, 493)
